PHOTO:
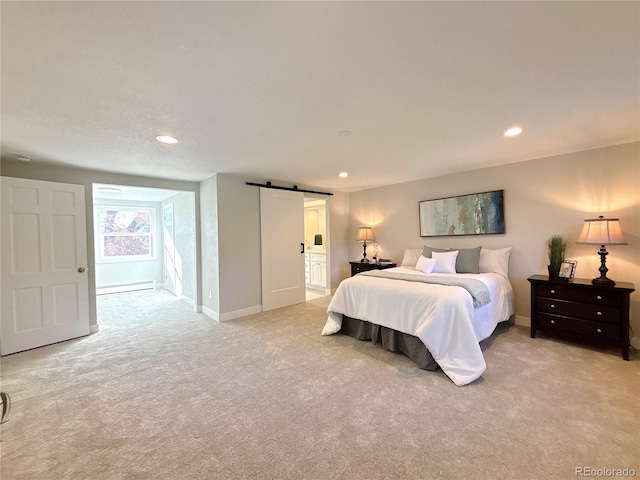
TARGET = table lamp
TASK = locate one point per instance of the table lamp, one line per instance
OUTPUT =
(602, 231)
(365, 234)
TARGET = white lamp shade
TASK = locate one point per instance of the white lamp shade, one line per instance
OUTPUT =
(601, 231)
(365, 234)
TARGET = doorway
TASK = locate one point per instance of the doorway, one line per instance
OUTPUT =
(316, 248)
(145, 238)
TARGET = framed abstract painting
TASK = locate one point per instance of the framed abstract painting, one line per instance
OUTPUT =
(474, 214)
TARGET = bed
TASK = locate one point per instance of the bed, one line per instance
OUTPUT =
(434, 318)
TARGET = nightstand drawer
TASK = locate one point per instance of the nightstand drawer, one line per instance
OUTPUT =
(607, 331)
(590, 295)
(357, 268)
(590, 311)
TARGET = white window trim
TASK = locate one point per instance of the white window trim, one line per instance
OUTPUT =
(100, 258)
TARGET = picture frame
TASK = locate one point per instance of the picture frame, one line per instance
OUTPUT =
(474, 214)
(568, 270)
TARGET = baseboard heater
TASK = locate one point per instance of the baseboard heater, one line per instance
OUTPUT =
(126, 287)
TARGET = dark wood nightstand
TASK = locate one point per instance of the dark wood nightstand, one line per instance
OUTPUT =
(581, 311)
(357, 267)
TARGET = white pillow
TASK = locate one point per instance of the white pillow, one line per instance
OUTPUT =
(495, 261)
(445, 261)
(411, 256)
(425, 265)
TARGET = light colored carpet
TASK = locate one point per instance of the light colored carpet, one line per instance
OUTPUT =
(164, 393)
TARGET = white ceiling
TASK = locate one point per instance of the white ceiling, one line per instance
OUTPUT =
(261, 89)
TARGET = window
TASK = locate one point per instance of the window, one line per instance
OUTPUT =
(126, 233)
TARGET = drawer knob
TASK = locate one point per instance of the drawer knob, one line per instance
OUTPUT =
(552, 306)
(599, 297)
(598, 330)
(599, 313)
(553, 322)
(553, 291)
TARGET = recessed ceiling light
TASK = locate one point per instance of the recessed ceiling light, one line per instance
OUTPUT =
(168, 139)
(23, 158)
(344, 133)
(512, 132)
(343, 174)
(109, 190)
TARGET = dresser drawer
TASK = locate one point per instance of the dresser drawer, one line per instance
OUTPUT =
(606, 331)
(590, 295)
(590, 311)
(583, 310)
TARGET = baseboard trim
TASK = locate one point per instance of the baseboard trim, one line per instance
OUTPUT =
(94, 329)
(210, 313)
(218, 317)
(126, 287)
(240, 313)
(188, 301)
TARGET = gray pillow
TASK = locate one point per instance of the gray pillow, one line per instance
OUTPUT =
(468, 260)
(426, 251)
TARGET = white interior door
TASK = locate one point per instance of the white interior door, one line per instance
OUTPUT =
(169, 249)
(282, 237)
(44, 291)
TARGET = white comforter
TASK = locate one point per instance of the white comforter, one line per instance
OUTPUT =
(441, 316)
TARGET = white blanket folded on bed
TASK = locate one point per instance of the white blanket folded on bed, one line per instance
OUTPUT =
(441, 316)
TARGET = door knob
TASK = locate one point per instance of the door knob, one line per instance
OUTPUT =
(82, 269)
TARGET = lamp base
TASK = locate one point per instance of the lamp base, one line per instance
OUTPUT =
(603, 282)
(364, 253)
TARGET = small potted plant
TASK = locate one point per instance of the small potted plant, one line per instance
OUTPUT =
(557, 246)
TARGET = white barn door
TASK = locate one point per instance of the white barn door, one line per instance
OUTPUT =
(44, 264)
(282, 237)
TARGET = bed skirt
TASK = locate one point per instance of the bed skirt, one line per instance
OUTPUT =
(390, 340)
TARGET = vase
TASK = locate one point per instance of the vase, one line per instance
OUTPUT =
(553, 272)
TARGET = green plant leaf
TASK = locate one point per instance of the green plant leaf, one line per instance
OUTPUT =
(557, 247)
(6, 406)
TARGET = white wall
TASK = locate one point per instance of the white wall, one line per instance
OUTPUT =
(184, 224)
(543, 197)
(129, 272)
(209, 246)
(239, 246)
(340, 239)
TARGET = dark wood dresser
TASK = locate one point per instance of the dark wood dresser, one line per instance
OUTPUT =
(581, 311)
(357, 267)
